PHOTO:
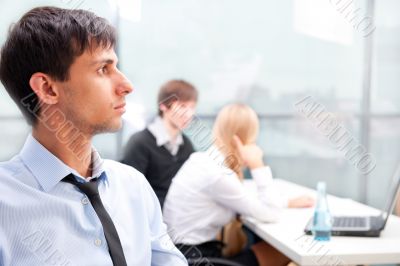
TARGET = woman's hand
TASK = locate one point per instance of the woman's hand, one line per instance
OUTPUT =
(301, 202)
(250, 154)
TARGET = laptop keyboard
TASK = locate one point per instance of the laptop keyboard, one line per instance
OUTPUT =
(349, 222)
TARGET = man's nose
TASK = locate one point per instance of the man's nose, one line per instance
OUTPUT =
(124, 86)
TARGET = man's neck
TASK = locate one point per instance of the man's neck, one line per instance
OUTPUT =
(172, 130)
(74, 151)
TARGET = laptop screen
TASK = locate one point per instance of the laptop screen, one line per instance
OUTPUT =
(392, 195)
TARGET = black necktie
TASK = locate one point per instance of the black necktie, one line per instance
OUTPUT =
(92, 192)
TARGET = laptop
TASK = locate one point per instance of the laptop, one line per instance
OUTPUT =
(369, 226)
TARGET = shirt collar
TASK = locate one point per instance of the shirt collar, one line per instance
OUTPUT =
(48, 169)
(157, 128)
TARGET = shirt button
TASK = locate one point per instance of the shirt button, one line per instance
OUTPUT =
(97, 242)
(85, 201)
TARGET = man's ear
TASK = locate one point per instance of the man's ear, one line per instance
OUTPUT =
(163, 107)
(44, 87)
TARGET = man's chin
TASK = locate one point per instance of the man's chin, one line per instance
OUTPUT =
(108, 128)
(184, 125)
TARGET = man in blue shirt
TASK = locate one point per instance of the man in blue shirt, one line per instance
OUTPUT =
(60, 203)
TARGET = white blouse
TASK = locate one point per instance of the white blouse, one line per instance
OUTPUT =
(205, 195)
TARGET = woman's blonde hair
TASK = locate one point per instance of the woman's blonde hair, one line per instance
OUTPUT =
(235, 119)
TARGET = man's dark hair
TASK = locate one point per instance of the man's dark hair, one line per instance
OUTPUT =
(176, 90)
(48, 40)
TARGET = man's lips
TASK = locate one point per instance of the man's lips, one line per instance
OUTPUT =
(120, 108)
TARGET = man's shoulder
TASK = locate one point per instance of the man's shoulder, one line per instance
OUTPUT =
(10, 167)
(126, 177)
(141, 138)
(141, 135)
(187, 143)
(123, 172)
(13, 175)
(186, 138)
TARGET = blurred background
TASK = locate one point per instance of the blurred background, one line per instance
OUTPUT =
(268, 54)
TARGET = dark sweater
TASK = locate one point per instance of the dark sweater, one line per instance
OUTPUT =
(156, 163)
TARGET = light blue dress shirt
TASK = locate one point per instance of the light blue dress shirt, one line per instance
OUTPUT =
(44, 221)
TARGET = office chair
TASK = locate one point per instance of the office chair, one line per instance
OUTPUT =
(210, 261)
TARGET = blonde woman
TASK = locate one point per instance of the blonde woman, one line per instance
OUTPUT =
(207, 191)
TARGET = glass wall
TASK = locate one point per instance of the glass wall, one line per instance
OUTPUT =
(385, 99)
(260, 54)
(270, 55)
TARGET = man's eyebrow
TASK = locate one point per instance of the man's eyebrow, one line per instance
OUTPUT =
(109, 61)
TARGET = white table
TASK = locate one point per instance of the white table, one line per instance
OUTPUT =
(288, 234)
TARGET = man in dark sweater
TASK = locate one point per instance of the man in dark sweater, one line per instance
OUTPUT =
(160, 150)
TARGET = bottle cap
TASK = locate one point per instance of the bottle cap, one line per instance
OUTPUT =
(321, 186)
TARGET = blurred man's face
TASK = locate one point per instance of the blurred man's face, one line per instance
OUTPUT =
(93, 98)
(180, 113)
